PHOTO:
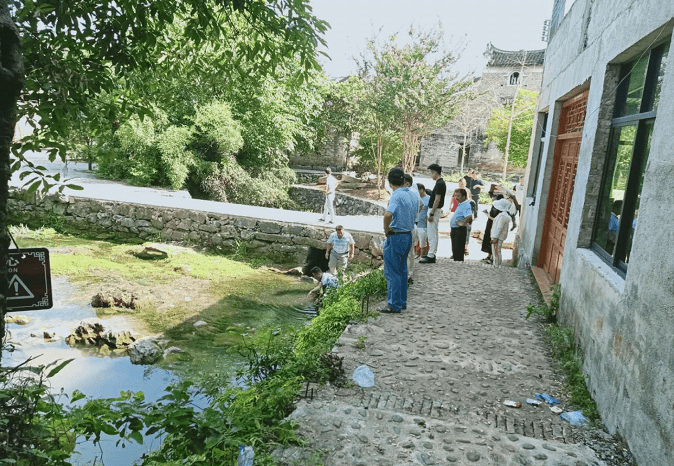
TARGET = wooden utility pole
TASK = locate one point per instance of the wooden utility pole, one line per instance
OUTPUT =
(512, 116)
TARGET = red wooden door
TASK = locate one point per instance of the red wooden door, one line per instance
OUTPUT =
(565, 163)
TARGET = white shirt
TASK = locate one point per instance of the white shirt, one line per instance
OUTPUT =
(331, 182)
(499, 229)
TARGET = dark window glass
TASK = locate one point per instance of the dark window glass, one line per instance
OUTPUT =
(644, 160)
(611, 201)
(620, 195)
(635, 87)
(661, 74)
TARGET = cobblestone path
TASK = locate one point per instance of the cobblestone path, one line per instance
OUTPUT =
(443, 369)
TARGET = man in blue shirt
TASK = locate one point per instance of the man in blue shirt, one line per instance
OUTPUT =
(463, 216)
(398, 225)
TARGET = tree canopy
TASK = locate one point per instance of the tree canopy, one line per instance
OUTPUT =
(522, 123)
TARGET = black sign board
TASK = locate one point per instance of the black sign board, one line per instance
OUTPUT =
(29, 280)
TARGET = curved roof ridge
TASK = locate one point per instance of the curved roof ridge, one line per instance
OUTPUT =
(499, 57)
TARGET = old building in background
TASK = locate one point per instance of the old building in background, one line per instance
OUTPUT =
(598, 216)
(462, 141)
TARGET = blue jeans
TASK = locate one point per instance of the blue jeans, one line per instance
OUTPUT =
(396, 249)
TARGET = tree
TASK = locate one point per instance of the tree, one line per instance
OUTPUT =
(474, 111)
(76, 50)
(510, 128)
(413, 85)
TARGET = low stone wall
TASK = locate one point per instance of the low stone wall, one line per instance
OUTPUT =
(313, 200)
(281, 241)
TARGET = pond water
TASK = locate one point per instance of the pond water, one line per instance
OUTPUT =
(101, 377)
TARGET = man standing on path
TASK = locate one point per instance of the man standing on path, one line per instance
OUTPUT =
(422, 220)
(339, 250)
(409, 181)
(461, 219)
(475, 185)
(435, 204)
(330, 189)
(398, 225)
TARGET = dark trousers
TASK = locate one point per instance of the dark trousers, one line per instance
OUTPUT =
(459, 236)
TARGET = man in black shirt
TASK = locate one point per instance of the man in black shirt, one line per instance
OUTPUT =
(475, 184)
(435, 204)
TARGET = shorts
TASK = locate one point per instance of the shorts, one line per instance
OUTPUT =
(423, 237)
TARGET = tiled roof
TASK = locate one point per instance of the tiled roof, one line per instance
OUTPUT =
(498, 57)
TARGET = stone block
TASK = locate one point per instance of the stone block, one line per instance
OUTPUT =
(255, 244)
(247, 235)
(209, 228)
(157, 223)
(144, 213)
(185, 225)
(177, 235)
(181, 214)
(269, 227)
(273, 238)
(127, 223)
(228, 231)
(216, 239)
(283, 248)
(293, 230)
(248, 223)
(198, 217)
(142, 224)
(60, 209)
(193, 235)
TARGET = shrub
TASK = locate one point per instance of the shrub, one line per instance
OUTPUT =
(217, 134)
(176, 159)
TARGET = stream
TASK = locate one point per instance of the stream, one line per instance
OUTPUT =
(95, 376)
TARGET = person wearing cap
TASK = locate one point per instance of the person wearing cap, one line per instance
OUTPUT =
(463, 216)
(435, 205)
(339, 250)
(330, 189)
(499, 229)
(398, 225)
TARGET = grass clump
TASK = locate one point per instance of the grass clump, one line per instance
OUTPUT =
(568, 355)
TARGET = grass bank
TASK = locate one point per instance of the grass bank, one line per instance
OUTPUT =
(568, 355)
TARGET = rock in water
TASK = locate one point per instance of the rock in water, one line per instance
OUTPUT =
(144, 351)
(17, 319)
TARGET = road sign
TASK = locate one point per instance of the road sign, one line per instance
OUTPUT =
(29, 280)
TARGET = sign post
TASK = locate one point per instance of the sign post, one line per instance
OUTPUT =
(29, 280)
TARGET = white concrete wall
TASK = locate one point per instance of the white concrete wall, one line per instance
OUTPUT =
(625, 326)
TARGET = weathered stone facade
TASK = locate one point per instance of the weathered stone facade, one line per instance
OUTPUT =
(313, 200)
(281, 241)
(495, 88)
(623, 319)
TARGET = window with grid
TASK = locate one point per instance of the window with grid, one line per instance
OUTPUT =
(631, 129)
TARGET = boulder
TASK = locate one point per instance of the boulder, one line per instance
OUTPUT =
(95, 332)
(144, 351)
(376, 247)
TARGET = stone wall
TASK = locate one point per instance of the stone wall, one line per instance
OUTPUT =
(623, 321)
(313, 200)
(282, 242)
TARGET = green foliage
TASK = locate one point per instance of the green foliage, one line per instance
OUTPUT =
(549, 312)
(76, 53)
(523, 121)
(249, 414)
(409, 89)
(218, 135)
(570, 358)
(174, 157)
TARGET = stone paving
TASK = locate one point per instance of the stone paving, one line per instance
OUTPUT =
(443, 369)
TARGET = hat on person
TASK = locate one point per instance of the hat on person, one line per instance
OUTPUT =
(502, 204)
(328, 170)
(436, 168)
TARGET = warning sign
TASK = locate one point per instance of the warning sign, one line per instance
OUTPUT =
(29, 280)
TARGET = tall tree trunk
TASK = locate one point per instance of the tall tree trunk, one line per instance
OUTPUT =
(11, 82)
(463, 156)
